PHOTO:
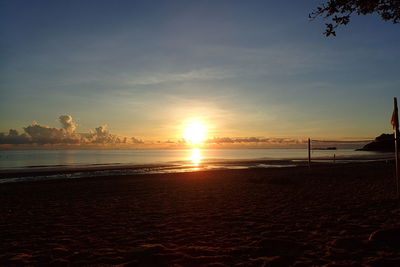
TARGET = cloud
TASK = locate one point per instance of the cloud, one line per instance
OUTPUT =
(341, 141)
(229, 140)
(67, 123)
(67, 135)
(13, 137)
(42, 134)
(101, 136)
(293, 142)
(203, 74)
(136, 141)
(39, 134)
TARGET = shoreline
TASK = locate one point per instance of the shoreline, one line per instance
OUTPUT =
(32, 175)
(97, 170)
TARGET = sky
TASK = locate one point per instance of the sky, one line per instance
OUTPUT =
(144, 69)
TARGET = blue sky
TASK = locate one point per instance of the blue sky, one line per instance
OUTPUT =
(245, 68)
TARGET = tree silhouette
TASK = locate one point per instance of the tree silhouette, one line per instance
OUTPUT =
(340, 11)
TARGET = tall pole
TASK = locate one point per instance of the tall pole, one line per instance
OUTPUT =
(309, 153)
(395, 123)
(396, 151)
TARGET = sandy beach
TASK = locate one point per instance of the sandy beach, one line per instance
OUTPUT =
(333, 215)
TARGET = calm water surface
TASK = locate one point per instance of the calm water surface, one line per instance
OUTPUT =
(22, 159)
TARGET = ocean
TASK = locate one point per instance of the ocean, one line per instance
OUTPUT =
(31, 159)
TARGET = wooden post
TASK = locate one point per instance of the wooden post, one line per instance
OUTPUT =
(395, 123)
(309, 153)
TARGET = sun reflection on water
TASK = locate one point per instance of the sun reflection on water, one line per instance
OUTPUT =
(195, 157)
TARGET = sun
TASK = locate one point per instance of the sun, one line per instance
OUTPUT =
(194, 132)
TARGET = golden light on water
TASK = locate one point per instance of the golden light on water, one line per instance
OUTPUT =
(194, 132)
(195, 157)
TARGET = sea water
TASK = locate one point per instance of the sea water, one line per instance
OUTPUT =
(27, 159)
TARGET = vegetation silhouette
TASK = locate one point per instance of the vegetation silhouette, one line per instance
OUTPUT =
(340, 11)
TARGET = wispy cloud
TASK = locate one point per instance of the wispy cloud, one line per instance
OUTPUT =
(244, 140)
(204, 74)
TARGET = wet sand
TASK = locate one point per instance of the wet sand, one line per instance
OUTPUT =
(333, 215)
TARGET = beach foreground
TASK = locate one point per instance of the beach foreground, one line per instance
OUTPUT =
(329, 215)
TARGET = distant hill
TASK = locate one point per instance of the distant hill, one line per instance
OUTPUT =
(382, 143)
